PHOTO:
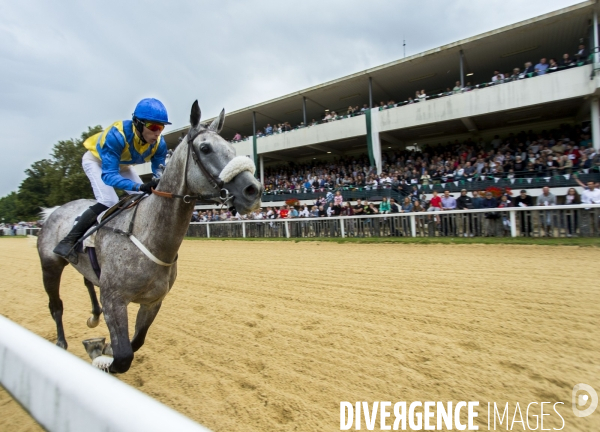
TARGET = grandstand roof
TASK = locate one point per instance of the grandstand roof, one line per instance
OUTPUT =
(549, 35)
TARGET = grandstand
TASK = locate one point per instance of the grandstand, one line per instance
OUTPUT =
(466, 93)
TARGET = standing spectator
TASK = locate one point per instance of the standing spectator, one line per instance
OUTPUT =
(572, 198)
(581, 55)
(338, 200)
(269, 129)
(384, 207)
(546, 199)
(465, 202)
(456, 88)
(524, 200)
(393, 206)
(490, 202)
(448, 203)
(407, 205)
(590, 195)
(541, 67)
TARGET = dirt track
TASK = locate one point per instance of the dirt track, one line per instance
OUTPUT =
(273, 336)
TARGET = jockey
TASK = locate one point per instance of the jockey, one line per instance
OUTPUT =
(109, 161)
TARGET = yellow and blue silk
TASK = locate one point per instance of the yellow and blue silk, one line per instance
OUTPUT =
(119, 145)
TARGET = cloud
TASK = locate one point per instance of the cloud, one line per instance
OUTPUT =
(70, 65)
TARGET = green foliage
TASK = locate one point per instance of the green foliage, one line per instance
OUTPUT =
(50, 182)
(8, 208)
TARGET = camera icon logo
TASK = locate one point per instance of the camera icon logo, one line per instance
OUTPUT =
(580, 400)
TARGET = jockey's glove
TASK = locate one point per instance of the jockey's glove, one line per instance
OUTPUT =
(148, 186)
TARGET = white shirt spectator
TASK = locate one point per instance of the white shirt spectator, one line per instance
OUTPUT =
(590, 197)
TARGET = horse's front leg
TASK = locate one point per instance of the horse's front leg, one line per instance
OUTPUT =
(115, 315)
(145, 317)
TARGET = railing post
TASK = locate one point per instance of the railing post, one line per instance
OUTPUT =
(513, 223)
(244, 229)
(413, 226)
(342, 229)
(207, 231)
(287, 229)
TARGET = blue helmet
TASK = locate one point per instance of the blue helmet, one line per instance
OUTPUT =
(151, 109)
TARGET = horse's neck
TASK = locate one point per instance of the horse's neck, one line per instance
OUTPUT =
(164, 221)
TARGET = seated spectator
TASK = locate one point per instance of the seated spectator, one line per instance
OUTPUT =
(407, 205)
(422, 95)
(456, 88)
(553, 66)
(581, 55)
(268, 129)
(364, 108)
(529, 69)
(237, 137)
(516, 74)
(566, 61)
(541, 67)
(327, 116)
(498, 77)
(350, 111)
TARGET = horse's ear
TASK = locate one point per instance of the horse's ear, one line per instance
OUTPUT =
(195, 115)
(217, 124)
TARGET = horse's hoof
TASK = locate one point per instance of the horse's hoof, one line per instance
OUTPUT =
(103, 362)
(93, 321)
(62, 344)
(94, 347)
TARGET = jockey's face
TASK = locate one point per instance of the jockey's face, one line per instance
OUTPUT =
(150, 136)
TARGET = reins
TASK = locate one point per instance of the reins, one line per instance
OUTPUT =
(216, 182)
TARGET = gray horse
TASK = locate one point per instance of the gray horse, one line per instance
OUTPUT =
(204, 164)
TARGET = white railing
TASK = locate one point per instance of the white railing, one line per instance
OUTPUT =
(64, 393)
(20, 231)
(560, 221)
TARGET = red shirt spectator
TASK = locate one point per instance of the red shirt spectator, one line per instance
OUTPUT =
(436, 201)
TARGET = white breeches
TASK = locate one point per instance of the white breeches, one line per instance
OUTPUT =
(105, 194)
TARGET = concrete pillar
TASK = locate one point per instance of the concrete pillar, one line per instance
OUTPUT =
(254, 151)
(376, 140)
(595, 47)
(262, 170)
(462, 72)
(370, 92)
(595, 118)
(304, 110)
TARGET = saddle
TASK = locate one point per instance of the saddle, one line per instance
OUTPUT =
(88, 241)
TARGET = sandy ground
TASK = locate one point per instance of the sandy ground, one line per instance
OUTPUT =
(273, 336)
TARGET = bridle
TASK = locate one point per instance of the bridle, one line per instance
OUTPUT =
(223, 196)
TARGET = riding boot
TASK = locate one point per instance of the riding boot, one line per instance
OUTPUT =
(65, 247)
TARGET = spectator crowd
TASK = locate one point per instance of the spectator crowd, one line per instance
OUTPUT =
(562, 151)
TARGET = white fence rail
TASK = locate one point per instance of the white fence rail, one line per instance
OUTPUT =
(557, 221)
(64, 393)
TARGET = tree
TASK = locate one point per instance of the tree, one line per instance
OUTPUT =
(34, 190)
(69, 181)
(8, 208)
(50, 182)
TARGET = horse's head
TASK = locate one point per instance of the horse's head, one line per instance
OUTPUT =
(216, 168)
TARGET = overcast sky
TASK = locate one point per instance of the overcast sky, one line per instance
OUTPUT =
(68, 65)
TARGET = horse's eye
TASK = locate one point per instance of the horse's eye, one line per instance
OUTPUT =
(205, 148)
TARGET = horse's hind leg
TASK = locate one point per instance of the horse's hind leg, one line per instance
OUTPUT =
(96, 309)
(51, 273)
(143, 321)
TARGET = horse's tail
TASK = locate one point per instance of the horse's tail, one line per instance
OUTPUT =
(46, 212)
